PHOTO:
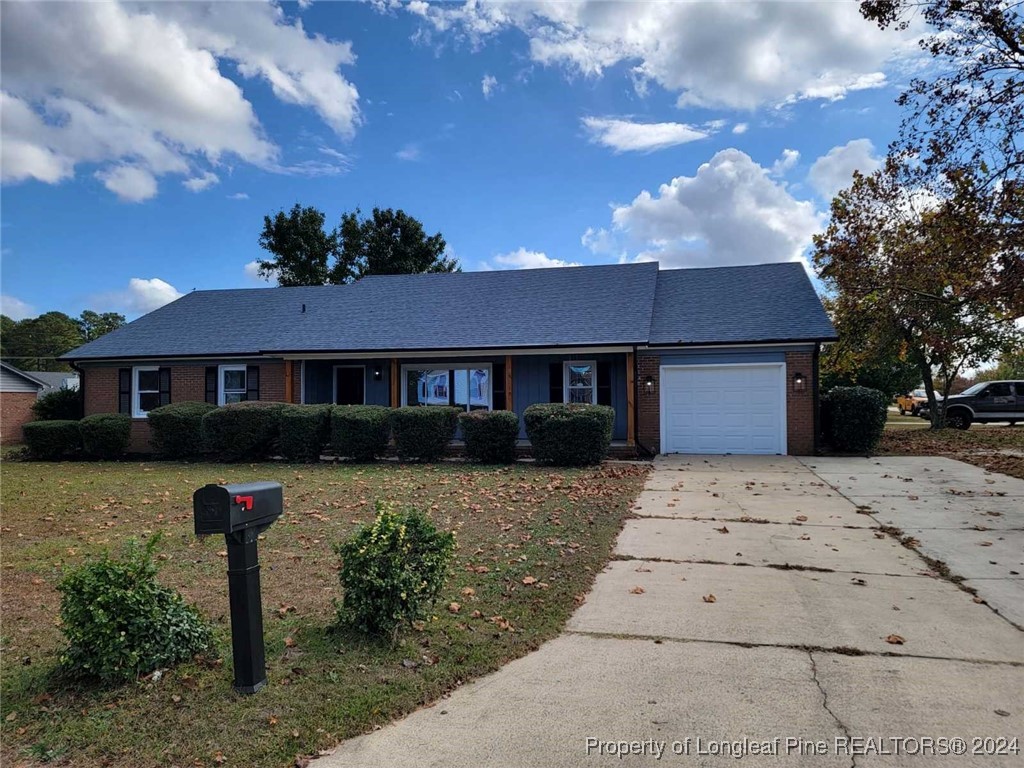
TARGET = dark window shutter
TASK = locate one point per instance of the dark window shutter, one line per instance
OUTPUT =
(124, 390)
(556, 394)
(498, 387)
(211, 384)
(165, 386)
(604, 383)
(252, 382)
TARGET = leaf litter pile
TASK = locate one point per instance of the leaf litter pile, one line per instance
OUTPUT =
(996, 448)
(530, 541)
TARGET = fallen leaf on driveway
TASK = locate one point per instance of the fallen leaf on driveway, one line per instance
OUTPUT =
(895, 640)
(859, 582)
(723, 529)
(709, 598)
(985, 544)
(980, 600)
(637, 591)
(801, 518)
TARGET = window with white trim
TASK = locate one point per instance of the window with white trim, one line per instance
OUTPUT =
(580, 381)
(145, 390)
(467, 387)
(231, 385)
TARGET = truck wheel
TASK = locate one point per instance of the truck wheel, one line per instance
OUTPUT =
(958, 420)
(903, 411)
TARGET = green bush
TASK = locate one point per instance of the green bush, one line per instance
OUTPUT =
(490, 436)
(106, 435)
(392, 571)
(120, 623)
(360, 432)
(571, 435)
(242, 431)
(52, 440)
(177, 429)
(305, 430)
(423, 432)
(854, 418)
(58, 405)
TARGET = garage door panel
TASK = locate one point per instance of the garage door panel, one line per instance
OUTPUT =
(723, 409)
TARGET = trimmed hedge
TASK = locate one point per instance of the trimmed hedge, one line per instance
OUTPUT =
(854, 418)
(571, 435)
(423, 431)
(304, 430)
(360, 432)
(242, 431)
(59, 405)
(177, 429)
(106, 435)
(490, 436)
(52, 440)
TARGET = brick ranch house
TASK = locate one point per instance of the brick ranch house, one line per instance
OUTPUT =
(716, 360)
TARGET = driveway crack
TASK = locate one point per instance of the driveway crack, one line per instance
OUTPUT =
(825, 704)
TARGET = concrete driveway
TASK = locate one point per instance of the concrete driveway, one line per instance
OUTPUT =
(753, 608)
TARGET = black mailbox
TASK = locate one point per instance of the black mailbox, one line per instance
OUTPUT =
(241, 512)
(233, 508)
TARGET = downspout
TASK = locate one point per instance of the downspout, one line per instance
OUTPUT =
(814, 394)
(81, 383)
(643, 449)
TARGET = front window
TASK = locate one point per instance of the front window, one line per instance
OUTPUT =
(580, 381)
(232, 384)
(468, 388)
(146, 390)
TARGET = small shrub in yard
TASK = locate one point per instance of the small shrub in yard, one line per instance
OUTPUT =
(490, 436)
(854, 418)
(242, 431)
(571, 435)
(360, 432)
(423, 432)
(305, 430)
(392, 571)
(177, 429)
(52, 440)
(106, 435)
(121, 623)
(59, 405)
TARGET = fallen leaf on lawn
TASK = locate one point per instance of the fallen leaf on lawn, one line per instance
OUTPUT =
(709, 598)
(222, 553)
(454, 607)
(468, 591)
(289, 642)
(176, 698)
(482, 569)
(475, 615)
(895, 640)
(637, 591)
(218, 758)
(271, 720)
(419, 625)
(528, 580)
(11, 717)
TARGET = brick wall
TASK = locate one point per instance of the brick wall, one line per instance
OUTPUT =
(800, 405)
(15, 410)
(648, 422)
(188, 382)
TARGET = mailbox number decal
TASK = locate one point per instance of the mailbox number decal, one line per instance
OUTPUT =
(245, 501)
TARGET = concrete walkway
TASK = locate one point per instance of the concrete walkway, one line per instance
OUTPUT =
(750, 600)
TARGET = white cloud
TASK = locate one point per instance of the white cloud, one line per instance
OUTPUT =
(141, 86)
(740, 128)
(789, 158)
(833, 171)
(409, 153)
(524, 259)
(488, 85)
(16, 309)
(130, 183)
(199, 183)
(712, 54)
(238, 196)
(599, 241)
(141, 296)
(252, 273)
(628, 136)
(730, 212)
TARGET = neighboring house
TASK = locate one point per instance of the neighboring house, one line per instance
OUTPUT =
(19, 390)
(718, 360)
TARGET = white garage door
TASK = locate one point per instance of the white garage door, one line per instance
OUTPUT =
(723, 409)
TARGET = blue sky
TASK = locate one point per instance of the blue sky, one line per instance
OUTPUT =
(139, 164)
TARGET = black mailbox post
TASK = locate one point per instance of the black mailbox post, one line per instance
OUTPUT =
(241, 512)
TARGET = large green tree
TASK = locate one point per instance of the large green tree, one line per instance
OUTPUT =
(303, 252)
(36, 343)
(922, 274)
(96, 324)
(887, 371)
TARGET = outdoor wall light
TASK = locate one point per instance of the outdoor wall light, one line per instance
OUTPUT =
(377, 373)
(798, 382)
(649, 384)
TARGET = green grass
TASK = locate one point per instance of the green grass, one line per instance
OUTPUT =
(557, 526)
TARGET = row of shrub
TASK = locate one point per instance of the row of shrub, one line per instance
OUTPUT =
(120, 622)
(565, 435)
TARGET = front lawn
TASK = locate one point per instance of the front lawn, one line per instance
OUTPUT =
(530, 542)
(998, 448)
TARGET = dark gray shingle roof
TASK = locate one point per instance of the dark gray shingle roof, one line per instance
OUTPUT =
(765, 302)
